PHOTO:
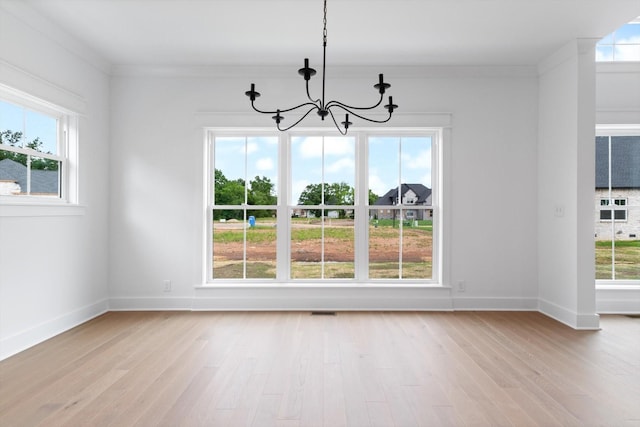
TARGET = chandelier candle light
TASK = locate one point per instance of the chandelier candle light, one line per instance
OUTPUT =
(323, 108)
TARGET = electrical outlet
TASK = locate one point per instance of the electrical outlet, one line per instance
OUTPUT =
(462, 286)
(167, 285)
(558, 211)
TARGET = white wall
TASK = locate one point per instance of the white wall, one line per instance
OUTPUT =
(618, 93)
(53, 262)
(156, 182)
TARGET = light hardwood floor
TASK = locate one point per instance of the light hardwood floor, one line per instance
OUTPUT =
(353, 369)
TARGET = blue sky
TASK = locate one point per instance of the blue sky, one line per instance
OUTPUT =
(332, 157)
(31, 123)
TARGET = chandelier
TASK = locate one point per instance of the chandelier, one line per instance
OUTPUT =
(322, 108)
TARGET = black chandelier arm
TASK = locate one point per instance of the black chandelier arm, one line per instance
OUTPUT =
(315, 107)
(318, 101)
(345, 106)
(336, 123)
(359, 116)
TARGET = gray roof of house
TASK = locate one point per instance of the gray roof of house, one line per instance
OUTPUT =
(423, 193)
(42, 181)
(625, 162)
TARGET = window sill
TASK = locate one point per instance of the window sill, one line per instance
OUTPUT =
(305, 285)
(615, 285)
(40, 210)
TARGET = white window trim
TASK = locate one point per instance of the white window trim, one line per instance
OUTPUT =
(439, 270)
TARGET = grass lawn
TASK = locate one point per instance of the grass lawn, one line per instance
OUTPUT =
(627, 259)
(233, 270)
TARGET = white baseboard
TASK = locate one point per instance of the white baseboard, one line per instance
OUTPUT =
(257, 298)
(618, 300)
(151, 304)
(324, 298)
(569, 317)
(495, 304)
(28, 338)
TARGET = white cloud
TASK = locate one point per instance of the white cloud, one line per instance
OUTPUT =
(297, 187)
(631, 39)
(419, 161)
(378, 185)
(264, 164)
(628, 52)
(250, 147)
(344, 164)
(333, 146)
(426, 180)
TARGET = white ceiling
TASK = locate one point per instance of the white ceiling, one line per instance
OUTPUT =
(278, 32)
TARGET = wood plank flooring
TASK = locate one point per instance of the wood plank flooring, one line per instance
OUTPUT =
(293, 369)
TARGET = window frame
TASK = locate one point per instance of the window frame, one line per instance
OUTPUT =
(67, 150)
(360, 207)
(614, 207)
(606, 130)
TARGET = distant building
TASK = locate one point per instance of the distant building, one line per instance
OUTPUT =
(410, 194)
(13, 180)
(625, 188)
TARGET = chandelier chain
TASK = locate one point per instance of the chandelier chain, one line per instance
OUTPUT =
(324, 31)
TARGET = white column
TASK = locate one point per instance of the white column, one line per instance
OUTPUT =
(566, 144)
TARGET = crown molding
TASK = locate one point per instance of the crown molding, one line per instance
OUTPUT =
(343, 72)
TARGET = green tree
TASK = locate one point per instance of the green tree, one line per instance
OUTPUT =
(373, 198)
(227, 192)
(12, 139)
(312, 195)
(231, 192)
(261, 192)
(334, 194)
(339, 194)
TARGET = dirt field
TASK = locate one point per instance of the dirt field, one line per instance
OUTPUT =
(383, 246)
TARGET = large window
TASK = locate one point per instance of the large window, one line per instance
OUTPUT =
(308, 207)
(617, 204)
(34, 150)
